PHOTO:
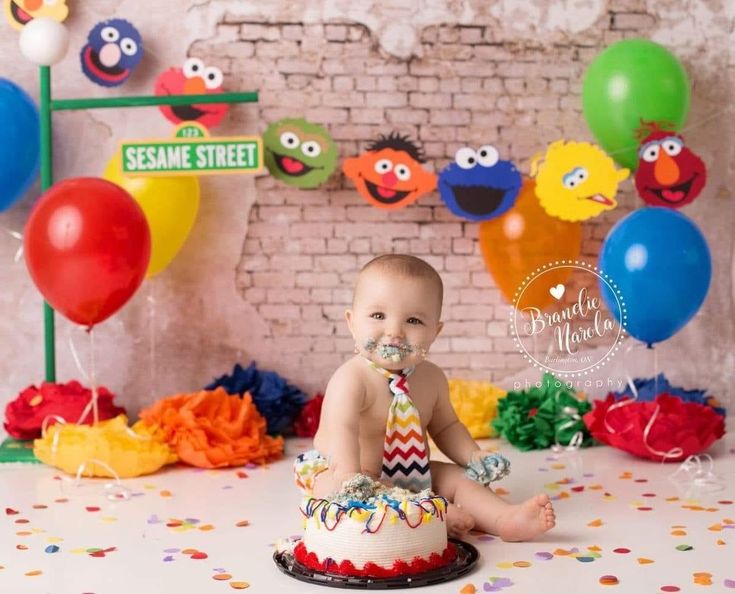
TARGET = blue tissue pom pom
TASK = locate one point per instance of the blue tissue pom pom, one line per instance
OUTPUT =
(277, 400)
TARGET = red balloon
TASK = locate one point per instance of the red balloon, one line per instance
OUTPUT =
(87, 246)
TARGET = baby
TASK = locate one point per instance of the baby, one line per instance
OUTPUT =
(372, 424)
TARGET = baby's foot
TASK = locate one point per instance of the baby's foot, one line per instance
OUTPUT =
(527, 520)
(459, 522)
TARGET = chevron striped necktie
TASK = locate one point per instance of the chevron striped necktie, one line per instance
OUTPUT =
(405, 454)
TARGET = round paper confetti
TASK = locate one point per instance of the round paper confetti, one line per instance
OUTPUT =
(543, 556)
(621, 551)
(34, 572)
(239, 585)
(609, 580)
(729, 583)
(52, 549)
(242, 523)
(222, 576)
(670, 588)
(521, 564)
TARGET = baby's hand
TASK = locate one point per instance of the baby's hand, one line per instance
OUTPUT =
(485, 468)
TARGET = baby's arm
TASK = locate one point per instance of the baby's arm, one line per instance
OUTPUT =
(343, 401)
(446, 429)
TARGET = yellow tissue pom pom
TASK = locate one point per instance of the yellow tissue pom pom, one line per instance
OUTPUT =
(476, 405)
(119, 448)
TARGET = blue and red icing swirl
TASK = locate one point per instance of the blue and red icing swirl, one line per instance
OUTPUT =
(330, 513)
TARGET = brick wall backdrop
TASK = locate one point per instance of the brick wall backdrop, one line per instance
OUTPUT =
(266, 272)
(304, 248)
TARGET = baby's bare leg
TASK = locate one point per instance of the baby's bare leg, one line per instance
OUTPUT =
(491, 513)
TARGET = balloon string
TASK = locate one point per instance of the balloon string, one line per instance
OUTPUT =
(152, 337)
(689, 128)
(19, 237)
(674, 452)
(632, 387)
(572, 415)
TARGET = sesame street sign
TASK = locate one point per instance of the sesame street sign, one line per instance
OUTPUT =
(190, 155)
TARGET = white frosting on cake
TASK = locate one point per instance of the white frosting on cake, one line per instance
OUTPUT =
(382, 533)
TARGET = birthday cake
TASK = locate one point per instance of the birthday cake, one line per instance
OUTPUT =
(385, 532)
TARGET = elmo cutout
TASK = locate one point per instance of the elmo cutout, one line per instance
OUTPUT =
(669, 174)
(193, 79)
(389, 175)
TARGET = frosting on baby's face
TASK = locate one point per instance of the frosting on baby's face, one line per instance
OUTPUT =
(395, 318)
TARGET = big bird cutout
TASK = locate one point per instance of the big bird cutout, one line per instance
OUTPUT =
(576, 180)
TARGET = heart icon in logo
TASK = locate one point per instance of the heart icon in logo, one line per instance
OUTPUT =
(557, 292)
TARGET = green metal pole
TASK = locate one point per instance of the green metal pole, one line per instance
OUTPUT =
(47, 179)
(148, 100)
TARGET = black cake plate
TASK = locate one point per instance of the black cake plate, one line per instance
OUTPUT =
(463, 563)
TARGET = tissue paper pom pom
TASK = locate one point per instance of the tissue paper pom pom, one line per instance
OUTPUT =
(308, 420)
(690, 426)
(277, 400)
(539, 417)
(112, 442)
(649, 388)
(211, 429)
(476, 405)
(24, 415)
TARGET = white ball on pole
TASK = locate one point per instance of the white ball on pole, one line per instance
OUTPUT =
(44, 41)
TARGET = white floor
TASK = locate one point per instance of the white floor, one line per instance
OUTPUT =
(617, 516)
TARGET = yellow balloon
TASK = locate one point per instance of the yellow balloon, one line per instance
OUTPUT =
(170, 205)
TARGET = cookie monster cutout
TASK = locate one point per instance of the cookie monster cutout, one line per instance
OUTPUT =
(20, 12)
(193, 79)
(478, 185)
(299, 153)
(389, 175)
(114, 48)
(669, 174)
(576, 180)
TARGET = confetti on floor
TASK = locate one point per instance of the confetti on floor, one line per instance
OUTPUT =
(605, 539)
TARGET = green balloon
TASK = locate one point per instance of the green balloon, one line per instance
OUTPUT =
(633, 80)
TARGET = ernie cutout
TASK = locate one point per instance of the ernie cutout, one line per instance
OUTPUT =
(389, 174)
(669, 174)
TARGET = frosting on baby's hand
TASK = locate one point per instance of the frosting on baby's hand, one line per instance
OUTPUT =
(486, 468)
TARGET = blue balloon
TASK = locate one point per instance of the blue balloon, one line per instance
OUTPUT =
(19, 143)
(661, 264)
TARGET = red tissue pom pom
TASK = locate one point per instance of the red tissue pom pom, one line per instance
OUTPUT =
(687, 425)
(24, 416)
(308, 421)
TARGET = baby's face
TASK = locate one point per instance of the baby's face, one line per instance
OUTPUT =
(395, 318)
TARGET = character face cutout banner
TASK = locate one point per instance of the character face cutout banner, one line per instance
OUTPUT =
(389, 174)
(113, 49)
(193, 79)
(478, 185)
(669, 174)
(576, 180)
(299, 153)
(21, 12)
